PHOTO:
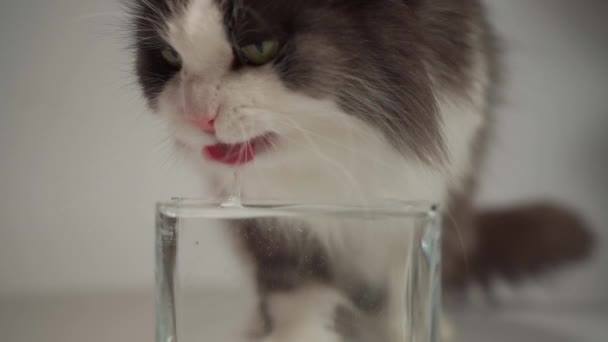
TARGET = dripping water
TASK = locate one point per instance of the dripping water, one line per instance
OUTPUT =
(234, 195)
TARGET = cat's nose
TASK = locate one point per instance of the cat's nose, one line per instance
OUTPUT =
(205, 122)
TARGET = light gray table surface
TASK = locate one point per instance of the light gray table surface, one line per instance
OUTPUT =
(130, 317)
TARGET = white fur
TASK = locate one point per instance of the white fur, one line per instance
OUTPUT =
(305, 314)
(322, 154)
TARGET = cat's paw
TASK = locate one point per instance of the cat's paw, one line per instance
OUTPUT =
(448, 333)
(304, 315)
(305, 336)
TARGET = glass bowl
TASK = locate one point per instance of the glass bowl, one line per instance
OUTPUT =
(224, 271)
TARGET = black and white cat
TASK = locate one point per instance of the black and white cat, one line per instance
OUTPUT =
(332, 100)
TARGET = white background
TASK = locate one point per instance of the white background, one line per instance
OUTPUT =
(82, 161)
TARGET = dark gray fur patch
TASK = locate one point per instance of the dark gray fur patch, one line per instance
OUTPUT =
(513, 244)
(288, 255)
(365, 296)
(285, 256)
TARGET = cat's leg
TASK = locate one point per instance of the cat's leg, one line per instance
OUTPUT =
(285, 259)
(258, 325)
(305, 314)
(448, 333)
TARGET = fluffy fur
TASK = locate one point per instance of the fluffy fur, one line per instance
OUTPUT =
(366, 99)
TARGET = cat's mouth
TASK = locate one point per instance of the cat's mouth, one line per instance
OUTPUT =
(239, 153)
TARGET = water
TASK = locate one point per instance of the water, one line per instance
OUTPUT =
(234, 199)
(205, 294)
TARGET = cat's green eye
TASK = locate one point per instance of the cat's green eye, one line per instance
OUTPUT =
(260, 53)
(172, 57)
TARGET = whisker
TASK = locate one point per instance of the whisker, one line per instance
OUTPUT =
(314, 147)
(343, 146)
(458, 230)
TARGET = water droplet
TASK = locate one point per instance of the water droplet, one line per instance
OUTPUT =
(234, 196)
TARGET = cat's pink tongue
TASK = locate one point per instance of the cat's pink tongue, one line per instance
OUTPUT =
(230, 154)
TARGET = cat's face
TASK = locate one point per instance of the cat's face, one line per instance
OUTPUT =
(266, 84)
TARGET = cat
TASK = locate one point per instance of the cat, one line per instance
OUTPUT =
(343, 100)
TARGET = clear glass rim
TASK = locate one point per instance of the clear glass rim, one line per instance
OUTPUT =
(218, 208)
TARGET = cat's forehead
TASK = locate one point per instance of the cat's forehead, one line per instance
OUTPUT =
(271, 12)
(196, 21)
(197, 30)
